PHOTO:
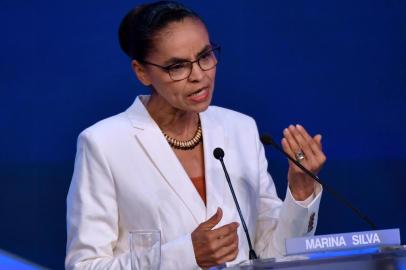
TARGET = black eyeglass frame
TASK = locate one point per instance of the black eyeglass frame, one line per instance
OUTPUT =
(215, 48)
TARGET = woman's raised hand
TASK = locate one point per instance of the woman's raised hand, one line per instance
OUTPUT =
(308, 151)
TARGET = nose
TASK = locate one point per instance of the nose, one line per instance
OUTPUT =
(197, 73)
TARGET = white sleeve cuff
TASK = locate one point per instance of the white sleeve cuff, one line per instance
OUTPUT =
(305, 203)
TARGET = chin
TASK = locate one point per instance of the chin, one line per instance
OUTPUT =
(203, 108)
(198, 108)
(204, 105)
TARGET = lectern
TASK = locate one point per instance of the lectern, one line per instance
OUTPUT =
(369, 250)
(382, 258)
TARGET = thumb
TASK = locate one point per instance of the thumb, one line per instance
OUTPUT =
(213, 220)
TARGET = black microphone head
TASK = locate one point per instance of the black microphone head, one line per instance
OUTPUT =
(267, 140)
(218, 153)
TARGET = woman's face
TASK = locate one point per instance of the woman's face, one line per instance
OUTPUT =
(181, 41)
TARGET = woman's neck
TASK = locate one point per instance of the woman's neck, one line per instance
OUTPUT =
(172, 121)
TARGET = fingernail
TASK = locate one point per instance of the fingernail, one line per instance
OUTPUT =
(299, 126)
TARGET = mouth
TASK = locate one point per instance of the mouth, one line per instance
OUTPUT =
(199, 92)
(201, 95)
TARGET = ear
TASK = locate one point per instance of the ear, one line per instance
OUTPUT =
(140, 72)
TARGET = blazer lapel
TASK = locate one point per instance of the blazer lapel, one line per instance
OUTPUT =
(213, 137)
(164, 159)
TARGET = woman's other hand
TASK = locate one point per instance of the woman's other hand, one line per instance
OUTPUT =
(215, 246)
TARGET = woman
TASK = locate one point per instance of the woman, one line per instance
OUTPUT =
(152, 167)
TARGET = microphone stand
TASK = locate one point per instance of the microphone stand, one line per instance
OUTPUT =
(219, 154)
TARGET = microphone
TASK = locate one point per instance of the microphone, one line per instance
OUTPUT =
(267, 140)
(219, 154)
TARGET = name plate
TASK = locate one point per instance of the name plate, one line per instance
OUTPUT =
(342, 241)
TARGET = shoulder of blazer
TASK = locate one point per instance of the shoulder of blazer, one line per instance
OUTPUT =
(229, 118)
(107, 128)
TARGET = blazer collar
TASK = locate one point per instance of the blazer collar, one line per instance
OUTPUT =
(138, 114)
(164, 159)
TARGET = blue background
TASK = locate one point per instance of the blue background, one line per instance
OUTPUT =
(337, 67)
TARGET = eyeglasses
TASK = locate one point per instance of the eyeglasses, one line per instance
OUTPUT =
(182, 70)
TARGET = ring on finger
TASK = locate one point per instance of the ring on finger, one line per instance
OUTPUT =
(300, 156)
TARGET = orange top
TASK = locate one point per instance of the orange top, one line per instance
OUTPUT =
(200, 184)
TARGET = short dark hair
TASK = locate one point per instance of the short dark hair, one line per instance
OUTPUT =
(139, 27)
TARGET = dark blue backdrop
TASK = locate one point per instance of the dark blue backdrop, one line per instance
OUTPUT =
(337, 67)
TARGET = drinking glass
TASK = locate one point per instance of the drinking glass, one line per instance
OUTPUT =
(145, 248)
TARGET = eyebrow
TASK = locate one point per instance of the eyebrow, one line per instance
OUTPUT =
(174, 60)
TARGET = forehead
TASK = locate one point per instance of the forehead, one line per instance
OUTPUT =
(183, 39)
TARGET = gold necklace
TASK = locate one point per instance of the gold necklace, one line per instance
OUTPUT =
(188, 144)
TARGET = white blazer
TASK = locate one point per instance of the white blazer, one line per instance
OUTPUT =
(127, 177)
